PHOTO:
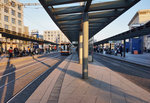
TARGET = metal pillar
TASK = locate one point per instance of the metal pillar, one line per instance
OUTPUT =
(103, 48)
(110, 46)
(85, 45)
(102, 45)
(31, 44)
(42, 46)
(11, 43)
(6, 46)
(80, 48)
(19, 46)
(24, 45)
(124, 49)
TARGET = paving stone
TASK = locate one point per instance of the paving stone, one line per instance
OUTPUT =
(102, 86)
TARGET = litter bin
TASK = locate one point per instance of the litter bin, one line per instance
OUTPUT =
(135, 52)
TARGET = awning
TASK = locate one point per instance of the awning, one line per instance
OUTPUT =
(68, 14)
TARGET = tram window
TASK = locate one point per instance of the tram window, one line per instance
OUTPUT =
(62, 47)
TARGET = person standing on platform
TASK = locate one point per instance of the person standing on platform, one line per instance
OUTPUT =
(127, 50)
(16, 52)
(10, 52)
(120, 49)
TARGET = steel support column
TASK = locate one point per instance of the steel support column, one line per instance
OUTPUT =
(103, 48)
(85, 45)
(42, 46)
(24, 45)
(80, 48)
(124, 49)
(6, 46)
(11, 43)
(19, 44)
(103, 45)
(32, 45)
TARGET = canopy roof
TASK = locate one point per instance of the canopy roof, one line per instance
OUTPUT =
(136, 32)
(14, 35)
(68, 14)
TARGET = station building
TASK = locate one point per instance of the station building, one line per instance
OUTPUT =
(11, 18)
(55, 36)
(140, 43)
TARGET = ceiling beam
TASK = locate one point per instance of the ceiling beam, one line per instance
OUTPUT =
(60, 2)
(69, 17)
(104, 14)
(68, 10)
(100, 20)
(72, 29)
(70, 22)
(72, 26)
(95, 7)
(111, 5)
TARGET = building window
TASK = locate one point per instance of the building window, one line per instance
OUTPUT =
(6, 26)
(13, 4)
(6, 9)
(19, 30)
(19, 15)
(6, 18)
(12, 12)
(0, 17)
(19, 22)
(19, 7)
(5, 1)
(13, 20)
(13, 28)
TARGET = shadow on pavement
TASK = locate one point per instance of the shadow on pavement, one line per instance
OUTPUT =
(102, 85)
(7, 82)
(41, 62)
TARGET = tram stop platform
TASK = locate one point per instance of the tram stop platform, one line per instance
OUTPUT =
(65, 85)
(138, 59)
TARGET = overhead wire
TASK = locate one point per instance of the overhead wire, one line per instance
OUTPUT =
(28, 17)
(34, 23)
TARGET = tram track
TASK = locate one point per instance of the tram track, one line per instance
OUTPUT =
(17, 79)
(137, 74)
(25, 66)
(28, 62)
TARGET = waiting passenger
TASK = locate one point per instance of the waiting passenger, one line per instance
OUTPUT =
(120, 50)
(10, 52)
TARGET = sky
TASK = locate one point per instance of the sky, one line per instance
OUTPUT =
(37, 18)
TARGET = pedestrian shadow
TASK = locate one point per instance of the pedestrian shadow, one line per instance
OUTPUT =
(104, 86)
(41, 62)
(48, 55)
(7, 82)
